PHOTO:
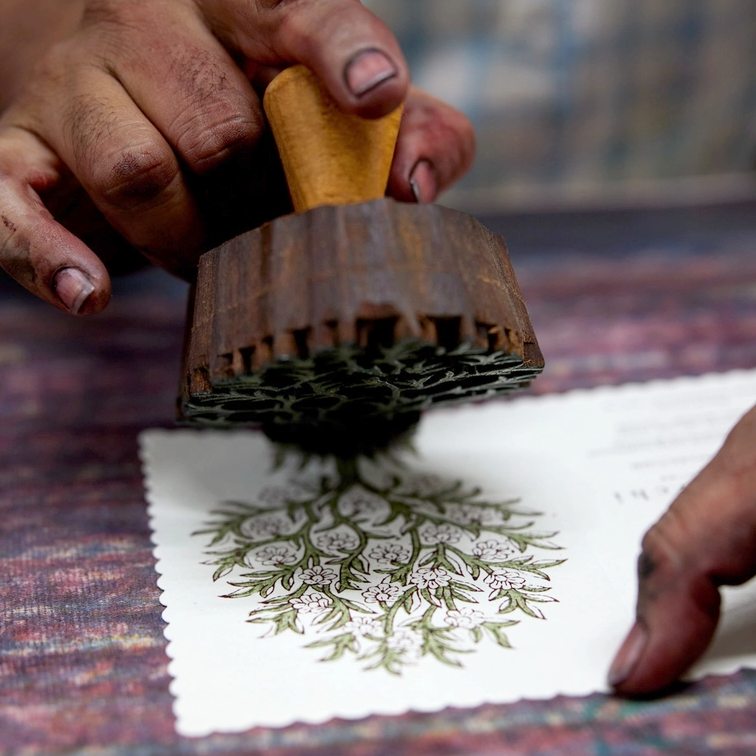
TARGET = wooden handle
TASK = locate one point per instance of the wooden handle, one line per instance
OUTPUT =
(329, 157)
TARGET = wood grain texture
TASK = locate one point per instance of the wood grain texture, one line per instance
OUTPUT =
(329, 157)
(298, 292)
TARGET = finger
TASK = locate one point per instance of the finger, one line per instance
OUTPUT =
(34, 249)
(435, 148)
(122, 161)
(70, 205)
(183, 80)
(705, 540)
(350, 50)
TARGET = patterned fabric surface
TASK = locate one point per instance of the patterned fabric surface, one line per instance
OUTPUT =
(614, 297)
(569, 94)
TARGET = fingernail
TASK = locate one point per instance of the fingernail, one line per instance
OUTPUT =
(367, 70)
(423, 182)
(72, 288)
(629, 655)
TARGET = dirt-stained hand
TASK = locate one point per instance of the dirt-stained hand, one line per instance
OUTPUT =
(142, 133)
(705, 540)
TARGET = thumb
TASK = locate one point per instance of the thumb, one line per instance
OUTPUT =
(347, 47)
(705, 540)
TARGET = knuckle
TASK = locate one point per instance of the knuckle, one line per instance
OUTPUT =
(206, 142)
(137, 175)
(664, 557)
(657, 551)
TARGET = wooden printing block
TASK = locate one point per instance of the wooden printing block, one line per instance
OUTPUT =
(334, 328)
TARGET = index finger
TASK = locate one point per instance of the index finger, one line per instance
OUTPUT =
(705, 540)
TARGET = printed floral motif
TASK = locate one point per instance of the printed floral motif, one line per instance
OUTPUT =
(311, 603)
(494, 551)
(357, 502)
(264, 527)
(337, 542)
(386, 572)
(468, 514)
(507, 580)
(406, 645)
(440, 534)
(430, 577)
(275, 556)
(318, 575)
(389, 553)
(466, 617)
(383, 593)
(362, 625)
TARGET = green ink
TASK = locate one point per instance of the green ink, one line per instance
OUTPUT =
(389, 571)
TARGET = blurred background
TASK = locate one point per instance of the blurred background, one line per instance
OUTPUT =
(591, 102)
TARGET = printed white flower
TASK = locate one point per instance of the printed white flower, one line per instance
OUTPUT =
(494, 551)
(384, 592)
(505, 580)
(358, 501)
(441, 534)
(469, 514)
(276, 556)
(264, 526)
(317, 575)
(465, 617)
(389, 553)
(311, 603)
(404, 642)
(430, 577)
(362, 625)
(338, 541)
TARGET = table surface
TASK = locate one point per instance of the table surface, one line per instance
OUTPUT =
(614, 297)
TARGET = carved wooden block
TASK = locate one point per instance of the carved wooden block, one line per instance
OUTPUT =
(333, 329)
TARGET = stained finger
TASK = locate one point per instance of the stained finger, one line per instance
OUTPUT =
(435, 148)
(125, 165)
(350, 50)
(705, 540)
(187, 85)
(34, 249)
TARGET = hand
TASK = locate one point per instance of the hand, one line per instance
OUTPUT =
(706, 539)
(140, 132)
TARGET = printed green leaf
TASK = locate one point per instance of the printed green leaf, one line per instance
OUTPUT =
(366, 598)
